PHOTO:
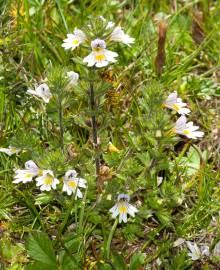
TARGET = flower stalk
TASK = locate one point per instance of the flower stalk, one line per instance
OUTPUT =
(94, 135)
(60, 111)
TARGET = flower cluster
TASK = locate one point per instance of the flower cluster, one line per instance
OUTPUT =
(46, 180)
(43, 92)
(99, 56)
(182, 127)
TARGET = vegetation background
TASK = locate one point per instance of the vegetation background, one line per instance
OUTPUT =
(51, 231)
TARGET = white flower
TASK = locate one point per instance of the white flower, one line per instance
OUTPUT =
(175, 103)
(194, 253)
(71, 184)
(47, 181)
(205, 250)
(119, 35)
(159, 180)
(10, 150)
(122, 208)
(73, 77)
(74, 40)
(42, 91)
(31, 170)
(110, 25)
(30, 165)
(187, 129)
(100, 56)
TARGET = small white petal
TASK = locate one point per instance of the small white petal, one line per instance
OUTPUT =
(78, 193)
(31, 165)
(184, 111)
(124, 217)
(69, 191)
(100, 64)
(90, 59)
(73, 77)
(119, 35)
(181, 123)
(132, 210)
(115, 211)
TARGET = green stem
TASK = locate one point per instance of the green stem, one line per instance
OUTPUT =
(60, 109)
(108, 244)
(81, 214)
(94, 136)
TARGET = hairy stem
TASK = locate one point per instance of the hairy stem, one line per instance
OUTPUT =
(60, 108)
(94, 135)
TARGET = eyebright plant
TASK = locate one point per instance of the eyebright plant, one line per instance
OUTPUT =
(139, 164)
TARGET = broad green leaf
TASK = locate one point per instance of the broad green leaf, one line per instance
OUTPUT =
(38, 266)
(118, 262)
(105, 267)
(68, 262)
(137, 260)
(39, 248)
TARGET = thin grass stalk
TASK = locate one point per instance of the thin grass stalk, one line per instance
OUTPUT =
(108, 244)
(63, 224)
(31, 207)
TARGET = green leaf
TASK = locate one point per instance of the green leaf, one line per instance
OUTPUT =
(95, 217)
(68, 262)
(137, 260)
(39, 248)
(105, 267)
(38, 266)
(118, 262)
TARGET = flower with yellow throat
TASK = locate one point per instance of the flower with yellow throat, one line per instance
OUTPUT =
(47, 180)
(187, 129)
(74, 40)
(26, 175)
(72, 184)
(122, 208)
(100, 56)
(174, 103)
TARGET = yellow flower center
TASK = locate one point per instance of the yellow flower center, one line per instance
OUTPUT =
(176, 107)
(72, 184)
(100, 57)
(48, 180)
(186, 132)
(122, 209)
(75, 41)
(28, 175)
